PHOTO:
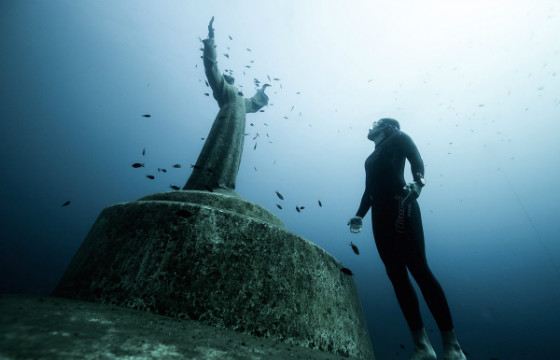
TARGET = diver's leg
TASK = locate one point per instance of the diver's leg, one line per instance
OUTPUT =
(388, 248)
(429, 286)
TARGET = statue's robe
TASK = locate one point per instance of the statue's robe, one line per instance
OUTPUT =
(218, 162)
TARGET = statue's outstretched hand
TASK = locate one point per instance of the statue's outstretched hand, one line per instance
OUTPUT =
(211, 29)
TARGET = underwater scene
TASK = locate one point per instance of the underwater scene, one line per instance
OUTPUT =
(352, 179)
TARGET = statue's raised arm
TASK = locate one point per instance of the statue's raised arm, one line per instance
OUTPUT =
(215, 78)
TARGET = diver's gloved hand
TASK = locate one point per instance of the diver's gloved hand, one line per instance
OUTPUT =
(415, 188)
(355, 224)
(413, 191)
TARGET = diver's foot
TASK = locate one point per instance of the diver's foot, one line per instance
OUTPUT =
(424, 352)
(451, 348)
(453, 352)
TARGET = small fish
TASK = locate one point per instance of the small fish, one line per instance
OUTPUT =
(297, 209)
(292, 109)
(137, 165)
(239, 93)
(255, 168)
(151, 177)
(297, 93)
(354, 248)
(261, 110)
(226, 55)
(320, 203)
(147, 115)
(174, 187)
(276, 79)
(207, 94)
(206, 82)
(285, 117)
(268, 77)
(346, 271)
(278, 206)
(280, 196)
(302, 207)
(255, 147)
(229, 36)
(248, 66)
(163, 170)
(184, 213)
(143, 151)
(177, 166)
(248, 49)
(202, 138)
(256, 136)
(66, 203)
(252, 124)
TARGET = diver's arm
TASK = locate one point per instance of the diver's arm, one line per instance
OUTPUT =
(215, 78)
(365, 204)
(355, 223)
(416, 162)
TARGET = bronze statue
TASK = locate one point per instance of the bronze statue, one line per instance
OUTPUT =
(218, 163)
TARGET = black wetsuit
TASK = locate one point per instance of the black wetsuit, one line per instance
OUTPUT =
(398, 231)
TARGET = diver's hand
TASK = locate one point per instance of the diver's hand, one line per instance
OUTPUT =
(413, 189)
(355, 224)
(211, 29)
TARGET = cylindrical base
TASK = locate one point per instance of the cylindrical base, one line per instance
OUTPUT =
(204, 263)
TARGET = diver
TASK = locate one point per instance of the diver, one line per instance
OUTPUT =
(399, 236)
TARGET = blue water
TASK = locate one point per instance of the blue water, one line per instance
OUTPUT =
(474, 84)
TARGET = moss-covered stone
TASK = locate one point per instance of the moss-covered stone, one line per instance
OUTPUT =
(223, 267)
(49, 328)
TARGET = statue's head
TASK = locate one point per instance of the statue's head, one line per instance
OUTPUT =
(229, 79)
(382, 128)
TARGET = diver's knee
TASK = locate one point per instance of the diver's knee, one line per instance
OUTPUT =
(421, 273)
(396, 274)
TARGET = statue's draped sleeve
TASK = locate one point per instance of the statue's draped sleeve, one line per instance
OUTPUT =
(215, 78)
(254, 104)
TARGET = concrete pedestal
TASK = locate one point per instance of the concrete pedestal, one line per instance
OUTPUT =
(224, 262)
